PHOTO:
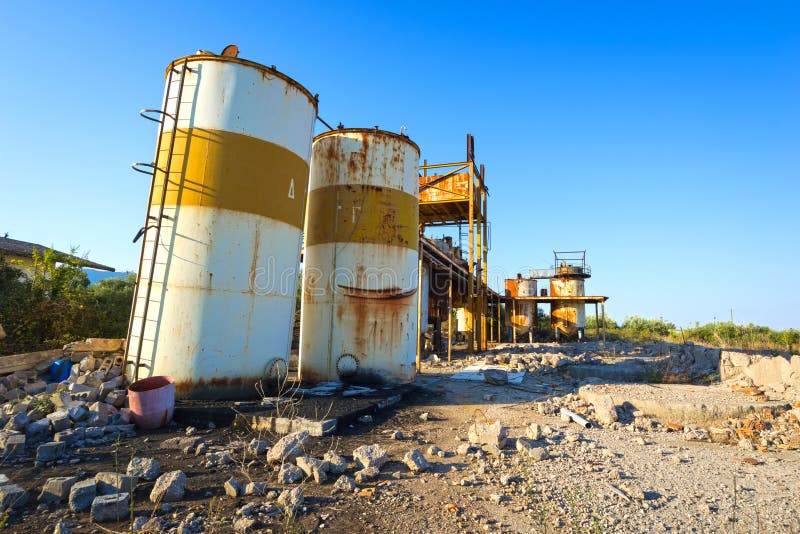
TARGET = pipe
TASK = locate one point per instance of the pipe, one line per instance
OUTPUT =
(575, 418)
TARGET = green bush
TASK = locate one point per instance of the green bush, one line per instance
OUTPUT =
(653, 327)
(591, 323)
(56, 305)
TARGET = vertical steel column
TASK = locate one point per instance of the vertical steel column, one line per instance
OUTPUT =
(603, 309)
(596, 321)
(484, 254)
(470, 289)
(450, 315)
(419, 305)
(498, 319)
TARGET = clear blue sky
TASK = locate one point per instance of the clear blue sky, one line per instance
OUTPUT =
(663, 137)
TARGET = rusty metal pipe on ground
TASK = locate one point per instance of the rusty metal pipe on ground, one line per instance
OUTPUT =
(575, 418)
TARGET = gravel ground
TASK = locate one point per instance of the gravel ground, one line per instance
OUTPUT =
(615, 479)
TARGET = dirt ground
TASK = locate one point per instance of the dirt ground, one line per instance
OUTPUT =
(595, 480)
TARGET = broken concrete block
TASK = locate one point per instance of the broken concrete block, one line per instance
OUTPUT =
(345, 483)
(169, 487)
(529, 449)
(181, 443)
(112, 507)
(78, 412)
(258, 447)
(108, 386)
(57, 489)
(604, 409)
(146, 468)
(366, 475)
(292, 500)
(488, 434)
(533, 432)
(218, 459)
(50, 452)
(100, 414)
(38, 431)
(256, 488)
(109, 482)
(337, 464)
(117, 398)
(371, 456)
(59, 420)
(289, 474)
(100, 344)
(232, 487)
(288, 447)
(12, 443)
(12, 496)
(18, 421)
(71, 435)
(697, 434)
(415, 461)
(313, 467)
(82, 494)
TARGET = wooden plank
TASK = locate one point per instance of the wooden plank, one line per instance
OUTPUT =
(28, 360)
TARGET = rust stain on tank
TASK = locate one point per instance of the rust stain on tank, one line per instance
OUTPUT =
(218, 387)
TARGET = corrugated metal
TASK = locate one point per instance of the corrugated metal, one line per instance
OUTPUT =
(359, 313)
(223, 292)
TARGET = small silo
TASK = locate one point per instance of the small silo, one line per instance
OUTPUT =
(568, 317)
(216, 288)
(359, 312)
(522, 313)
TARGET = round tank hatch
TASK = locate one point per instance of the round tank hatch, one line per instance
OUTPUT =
(347, 365)
(276, 370)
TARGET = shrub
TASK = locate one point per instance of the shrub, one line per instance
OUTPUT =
(56, 305)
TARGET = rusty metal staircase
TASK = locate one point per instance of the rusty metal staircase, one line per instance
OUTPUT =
(159, 226)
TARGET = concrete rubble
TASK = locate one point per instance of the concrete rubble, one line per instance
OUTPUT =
(500, 467)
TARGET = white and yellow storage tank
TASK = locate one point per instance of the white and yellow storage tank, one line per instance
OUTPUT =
(223, 293)
(359, 312)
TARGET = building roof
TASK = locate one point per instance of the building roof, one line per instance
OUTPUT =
(14, 247)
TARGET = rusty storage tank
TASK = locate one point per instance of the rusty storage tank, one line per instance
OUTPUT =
(359, 313)
(523, 312)
(568, 318)
(220, 305)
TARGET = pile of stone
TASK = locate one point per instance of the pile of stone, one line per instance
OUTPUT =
(89, 408)
(765, 431)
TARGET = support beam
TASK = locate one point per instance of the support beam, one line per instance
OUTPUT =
(419, 307)
(471, 323)
(450, 315)
(596, 321)
(603, 308)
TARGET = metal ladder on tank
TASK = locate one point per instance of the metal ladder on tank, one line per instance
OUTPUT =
(149, 260)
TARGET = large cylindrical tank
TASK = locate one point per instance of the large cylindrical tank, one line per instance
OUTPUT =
(224, 288)
(359, 314)
(568, 317)
(523, 312)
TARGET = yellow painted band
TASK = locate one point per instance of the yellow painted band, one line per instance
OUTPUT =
(219, 169)
(362, 214)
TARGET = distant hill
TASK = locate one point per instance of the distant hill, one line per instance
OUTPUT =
(95, 275)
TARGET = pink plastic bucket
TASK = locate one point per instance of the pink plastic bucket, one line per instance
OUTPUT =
(152, 401)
